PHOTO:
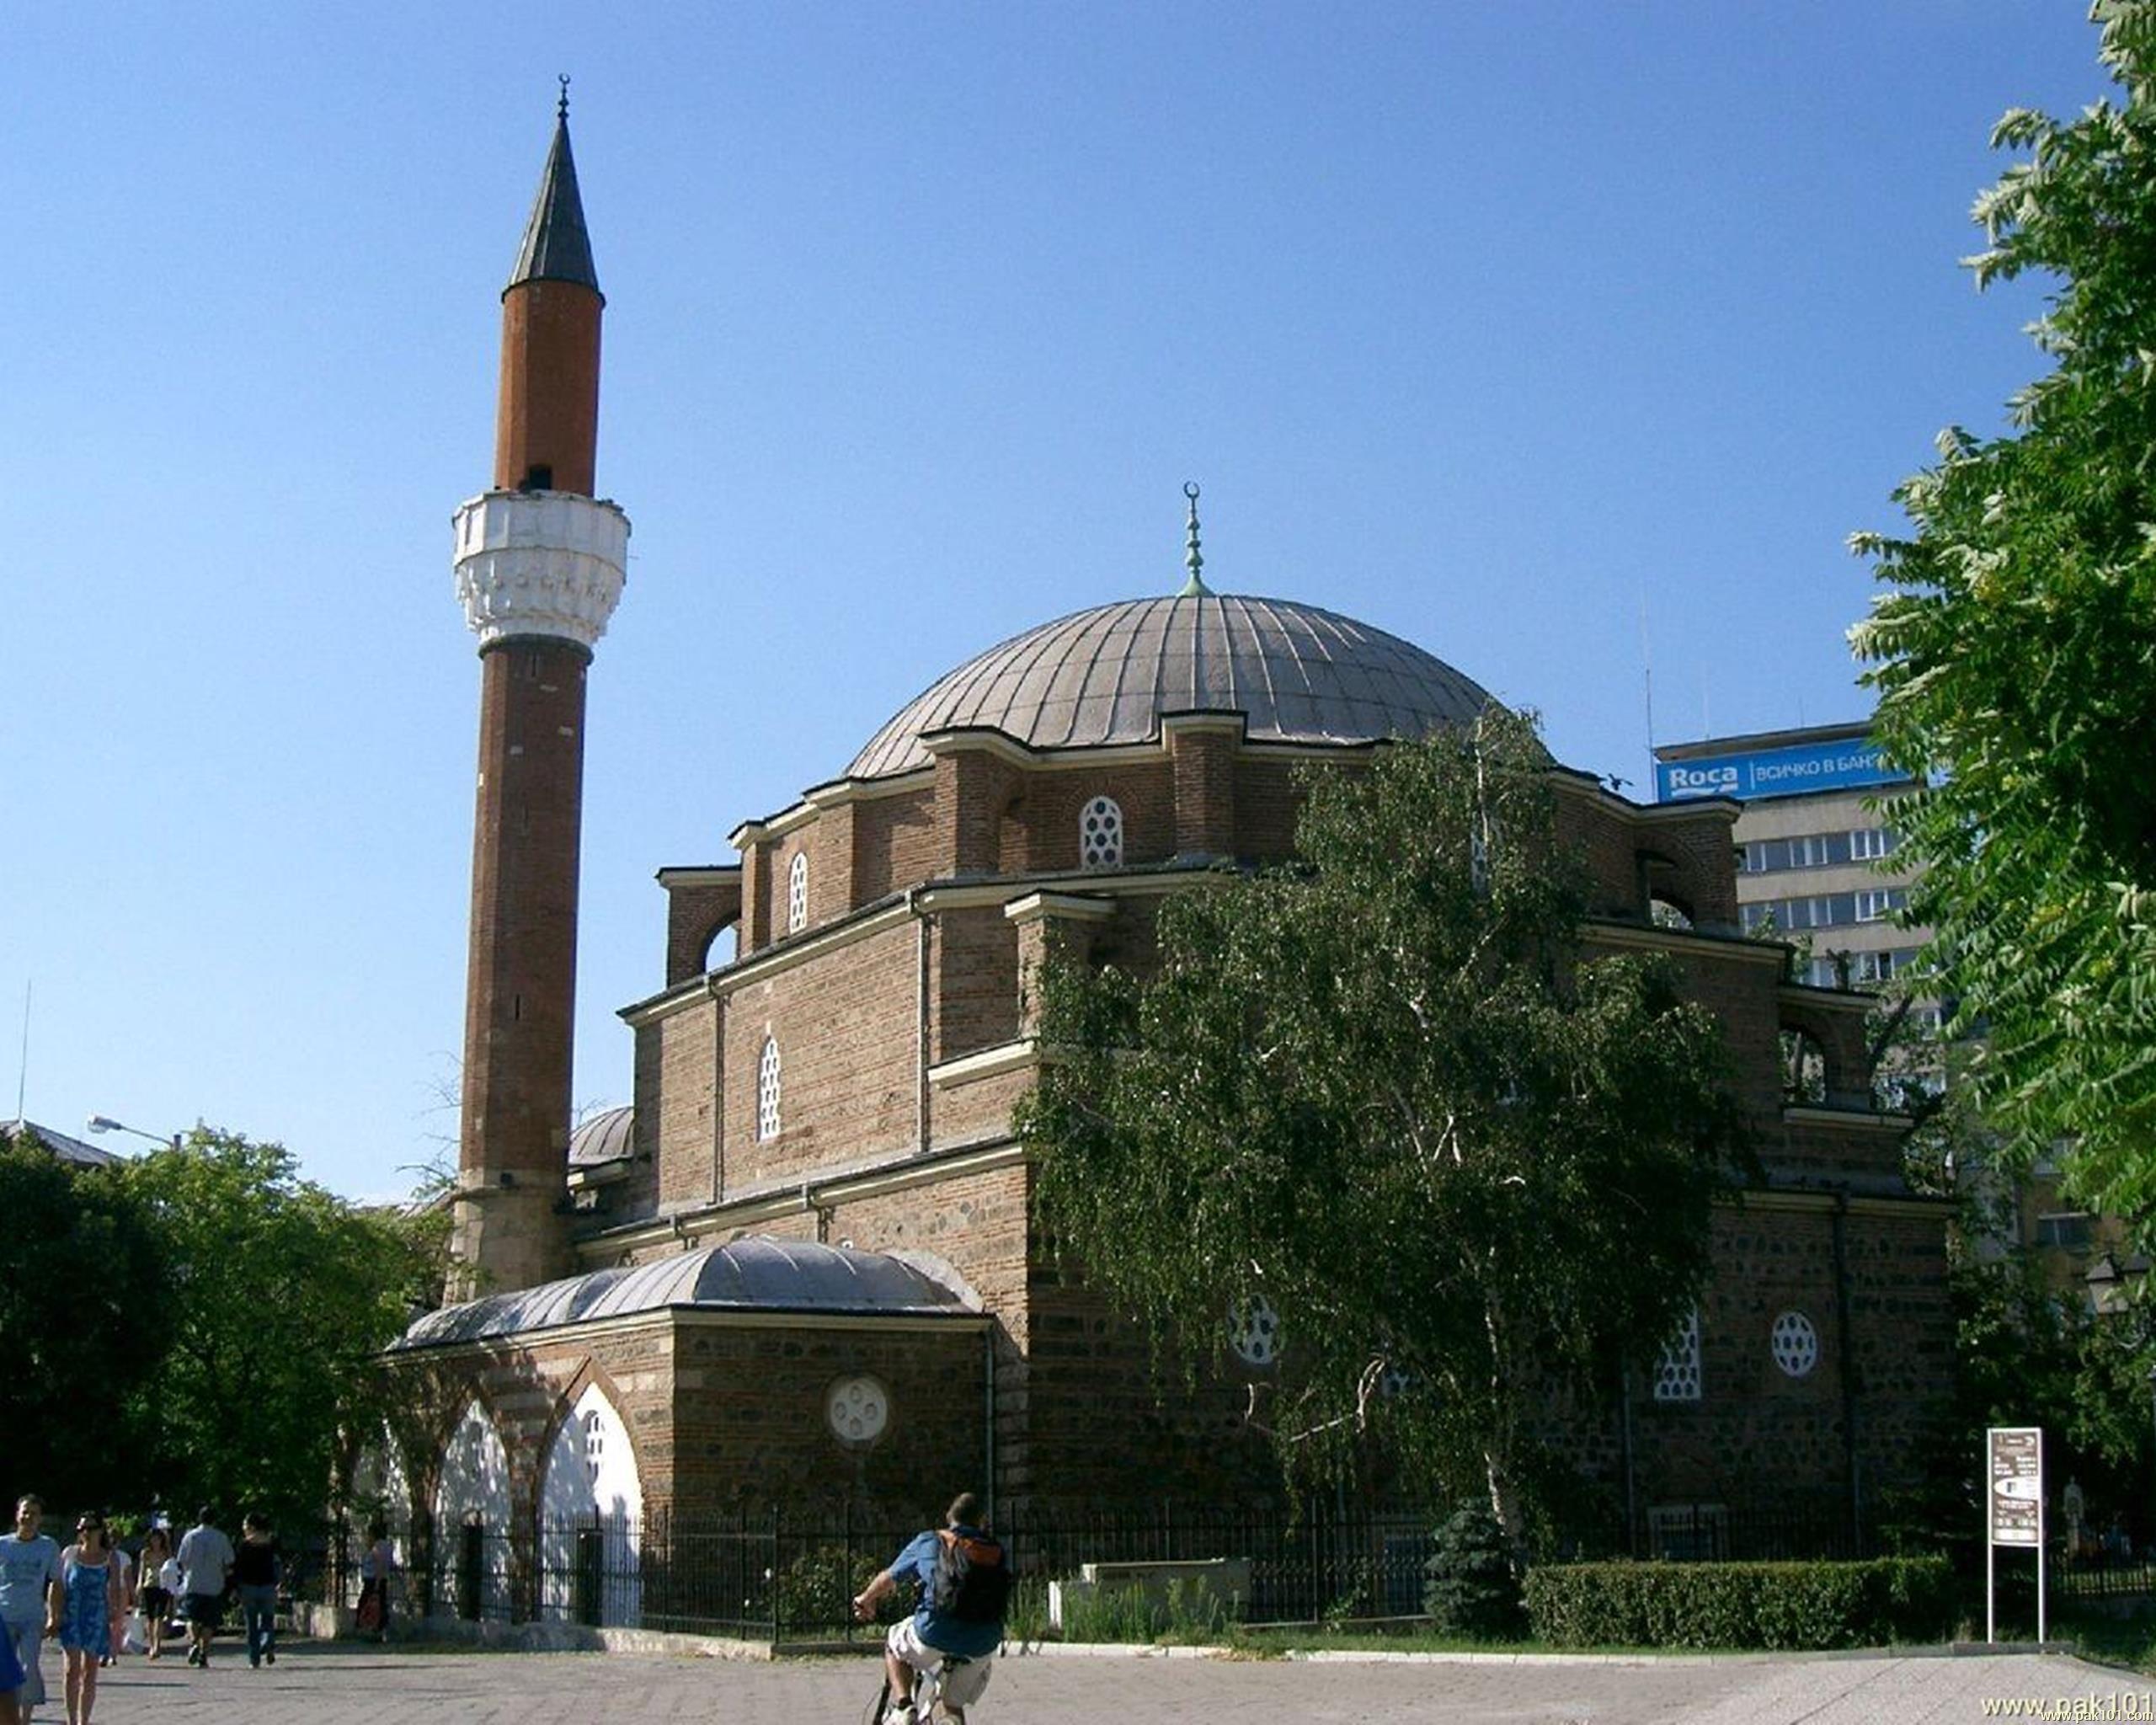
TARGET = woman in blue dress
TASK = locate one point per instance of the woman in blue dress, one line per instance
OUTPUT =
(11, 1680)
(92, 1603)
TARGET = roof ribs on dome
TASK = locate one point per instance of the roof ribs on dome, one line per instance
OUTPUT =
(1105, 676)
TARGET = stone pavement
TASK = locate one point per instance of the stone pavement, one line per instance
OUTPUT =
(326, 1684)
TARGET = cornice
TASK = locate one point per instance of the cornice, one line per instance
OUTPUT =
(988, 1063)
(1073, 907)
(705, 874)
(901, 1173)
(1644, 934)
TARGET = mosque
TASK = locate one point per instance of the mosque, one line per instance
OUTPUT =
(804, 1265)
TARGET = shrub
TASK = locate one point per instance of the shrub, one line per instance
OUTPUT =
(1470, 1587)
(815, 1590)
(1776, 1606)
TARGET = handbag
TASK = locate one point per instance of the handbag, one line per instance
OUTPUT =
(135, 1637)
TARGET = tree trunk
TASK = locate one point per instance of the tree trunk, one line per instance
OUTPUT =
(1505, 1502)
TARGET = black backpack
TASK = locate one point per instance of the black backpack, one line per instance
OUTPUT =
(972, 1582)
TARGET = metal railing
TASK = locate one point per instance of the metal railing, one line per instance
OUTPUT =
(789, 1574)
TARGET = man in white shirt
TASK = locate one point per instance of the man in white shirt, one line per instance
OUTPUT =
(206, 1556)
(30, 1601)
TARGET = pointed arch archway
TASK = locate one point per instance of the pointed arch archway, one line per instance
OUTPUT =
(471, 1519)
(591, 1516)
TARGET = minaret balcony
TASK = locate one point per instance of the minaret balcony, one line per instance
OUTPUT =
(540, 563)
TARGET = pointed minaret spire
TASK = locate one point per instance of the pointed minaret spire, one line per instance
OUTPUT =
(557, 247)
(1193, 558)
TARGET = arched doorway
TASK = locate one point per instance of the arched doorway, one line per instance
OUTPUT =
(591, 1519)
(471, 1519)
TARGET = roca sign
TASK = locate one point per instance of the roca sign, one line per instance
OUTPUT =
(1775, 772)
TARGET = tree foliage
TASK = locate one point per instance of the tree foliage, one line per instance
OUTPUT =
(280, 1295)
(1380, 1092)
(2015, 655)
(81, 1322)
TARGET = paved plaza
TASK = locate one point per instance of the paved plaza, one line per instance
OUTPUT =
(323, 1683)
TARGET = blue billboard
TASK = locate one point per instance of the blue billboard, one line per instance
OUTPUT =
(1775, 772)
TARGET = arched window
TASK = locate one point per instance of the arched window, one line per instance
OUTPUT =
(767, 1089)
(796, 893)
(1100, 835)
(1677, 1372)
(1804, 1068)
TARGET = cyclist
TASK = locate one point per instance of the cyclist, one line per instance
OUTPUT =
(957, 1622)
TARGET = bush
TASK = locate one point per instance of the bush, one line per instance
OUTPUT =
(816, 1590)
(1469, 1585)
(1776, 1606)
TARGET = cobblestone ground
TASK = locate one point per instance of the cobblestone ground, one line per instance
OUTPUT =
(319, 1684)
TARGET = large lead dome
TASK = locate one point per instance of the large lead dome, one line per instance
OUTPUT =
(1300, 674)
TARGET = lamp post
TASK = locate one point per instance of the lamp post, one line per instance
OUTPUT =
(103, 1123)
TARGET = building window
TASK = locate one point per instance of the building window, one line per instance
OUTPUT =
(1100, 835)
(595, 1442)
(2068, 1231)
(1867, 844)
(767, 1089)
(1254, 1332)
(1677, 1373)
(858, 1410)
(1795, 1344)
(796, 893)
(1874, 903)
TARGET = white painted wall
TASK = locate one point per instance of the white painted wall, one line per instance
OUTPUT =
(589, 1487)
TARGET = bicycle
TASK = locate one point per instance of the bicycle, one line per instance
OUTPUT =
(927, 1691)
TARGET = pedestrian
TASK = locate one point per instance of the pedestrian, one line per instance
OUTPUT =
(206, 1558)
(11, 1681)
(159, 1584)
(377, 1566)
(93, 1601)
(29, 1598)
(257, 1569)
(124, 1560)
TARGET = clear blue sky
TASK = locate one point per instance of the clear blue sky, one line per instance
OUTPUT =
(1484, 323)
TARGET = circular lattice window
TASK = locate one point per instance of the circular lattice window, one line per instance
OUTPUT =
(858, 1409)
(1100, 834)
(1254, 1332)
(1796, 1343)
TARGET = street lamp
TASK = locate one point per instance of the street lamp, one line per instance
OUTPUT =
(102, 1122)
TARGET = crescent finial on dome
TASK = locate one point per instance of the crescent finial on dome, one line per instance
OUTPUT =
(1193, 558)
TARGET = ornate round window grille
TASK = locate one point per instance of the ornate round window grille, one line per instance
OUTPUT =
(1796, 1343)
(1254, 1332)
(1100, 834)
(595, 1442)
(858, 1409)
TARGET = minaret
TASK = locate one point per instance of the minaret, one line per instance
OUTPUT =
(539, 567)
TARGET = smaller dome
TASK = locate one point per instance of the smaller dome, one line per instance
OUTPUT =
(603, 1138)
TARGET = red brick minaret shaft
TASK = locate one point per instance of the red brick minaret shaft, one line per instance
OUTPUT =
(539, 568)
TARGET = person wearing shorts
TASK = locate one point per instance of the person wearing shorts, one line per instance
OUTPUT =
(930, 1639)
(29, 1598)
(206, 1558)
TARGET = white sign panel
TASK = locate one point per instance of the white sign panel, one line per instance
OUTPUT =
(2017, 1485)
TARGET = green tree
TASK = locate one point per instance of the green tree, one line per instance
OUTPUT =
(81, 1325)
(281, 1294)
(1381, 1091)
(2014, 656)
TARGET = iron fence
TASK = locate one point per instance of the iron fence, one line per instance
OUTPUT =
(790, 1574)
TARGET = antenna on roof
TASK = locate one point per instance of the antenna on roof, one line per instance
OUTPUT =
(1193, 558)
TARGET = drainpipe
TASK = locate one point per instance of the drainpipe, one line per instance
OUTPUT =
(988, 1433)
(1843, 1327)
(922, 1021)
(717, 1095)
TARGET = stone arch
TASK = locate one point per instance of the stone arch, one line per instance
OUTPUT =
(379, 1487)
(473, 1513)
(1833, 1043)
(590, 1511)
(1669, 895)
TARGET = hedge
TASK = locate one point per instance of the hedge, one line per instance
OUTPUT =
(1777, 1605)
